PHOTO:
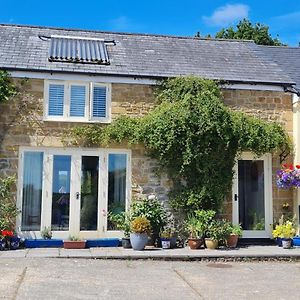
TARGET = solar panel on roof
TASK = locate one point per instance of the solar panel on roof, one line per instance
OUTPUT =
(78, 50)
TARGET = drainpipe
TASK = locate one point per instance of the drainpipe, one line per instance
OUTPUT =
(296, 142)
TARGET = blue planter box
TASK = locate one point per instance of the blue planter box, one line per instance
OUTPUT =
(106, 242)
(296, 241)
(41, 243)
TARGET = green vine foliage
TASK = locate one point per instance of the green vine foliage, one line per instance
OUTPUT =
(7, 88)
(195, 138)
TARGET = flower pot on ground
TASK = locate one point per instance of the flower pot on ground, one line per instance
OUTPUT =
(286, 243)
(217, 231)
(74, 243)
(211, 243)
(235, 233)
(140, 230)
(284, 230)
(296, 241)
(166, 237)
(126, 243)
(152, 209)
(194, 228)
(2, 244)
(14, 242)
(46, 233)
(121, 221)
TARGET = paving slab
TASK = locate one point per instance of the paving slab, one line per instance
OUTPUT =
(243, 253)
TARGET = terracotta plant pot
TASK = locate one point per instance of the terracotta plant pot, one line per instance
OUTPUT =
(211, 244)
(74, 244)
(194, 243)
(232, 241)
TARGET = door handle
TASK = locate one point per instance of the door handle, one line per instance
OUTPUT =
(77, 196)
(236, 197)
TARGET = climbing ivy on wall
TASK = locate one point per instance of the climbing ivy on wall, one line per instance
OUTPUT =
(194, 137)
(7, 88)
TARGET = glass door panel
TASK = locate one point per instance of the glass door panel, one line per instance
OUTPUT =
(251, 191)
(32, 191)
(89, 192)
(61, 192)
(116, 185)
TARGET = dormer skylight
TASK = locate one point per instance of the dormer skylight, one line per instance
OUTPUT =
(78, 50)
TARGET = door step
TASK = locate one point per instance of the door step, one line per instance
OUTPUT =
(256, 241)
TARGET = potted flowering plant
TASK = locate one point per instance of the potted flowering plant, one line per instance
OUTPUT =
(140, 230)
(5, 236)
(284, 231)
(288, 176)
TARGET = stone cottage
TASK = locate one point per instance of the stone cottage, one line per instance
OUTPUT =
(77, 77)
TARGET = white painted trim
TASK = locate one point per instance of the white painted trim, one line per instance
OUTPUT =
(74, 213)
(130, 80)
(296, 140)
(76, 37)
(253, 87)
(82, 77)
(267, 158)
(88, 102)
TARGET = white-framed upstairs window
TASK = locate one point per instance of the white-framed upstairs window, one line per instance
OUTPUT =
(77, 101)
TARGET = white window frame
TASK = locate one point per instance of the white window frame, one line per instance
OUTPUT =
(46, 205)
(88, 118)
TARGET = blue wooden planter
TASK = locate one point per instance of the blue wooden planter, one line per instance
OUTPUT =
(106, 242)
(41, 243)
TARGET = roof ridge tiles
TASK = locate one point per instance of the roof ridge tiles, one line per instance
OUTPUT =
(126, 33)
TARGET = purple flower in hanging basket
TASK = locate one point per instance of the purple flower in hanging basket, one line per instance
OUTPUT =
(288, 176)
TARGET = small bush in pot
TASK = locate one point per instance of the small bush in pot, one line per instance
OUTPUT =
(215, 233)
(140, 230)
(153, 210)
(122, 222)
(165, 238)
(236, 232)
(193, 227)
(46, 233)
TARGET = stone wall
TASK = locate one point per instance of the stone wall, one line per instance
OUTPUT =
(270, 106)
(135, 100)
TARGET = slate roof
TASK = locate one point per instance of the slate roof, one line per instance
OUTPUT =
(143, 55)
(287, 58)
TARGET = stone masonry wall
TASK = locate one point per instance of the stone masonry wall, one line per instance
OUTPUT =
(270, 106)
(135, 100)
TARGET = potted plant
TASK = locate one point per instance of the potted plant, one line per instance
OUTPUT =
(235, 233)
(165, 238)
(193, 227)
(214, 234)
(140, 229)
(6, 235)
(46, 233)
(14, 242)
(285, 231)
(122, 222)
(74, 243)
(154, 211)
(2, 242)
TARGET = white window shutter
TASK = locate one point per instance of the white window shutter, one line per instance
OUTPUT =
(99, 102)
(77, 100)
(56, 99)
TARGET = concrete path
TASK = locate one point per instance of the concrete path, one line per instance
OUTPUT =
(251, 252)
(50, 278)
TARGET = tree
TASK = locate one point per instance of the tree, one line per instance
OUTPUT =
(245, 30)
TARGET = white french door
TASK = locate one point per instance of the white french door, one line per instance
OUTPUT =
(71, 191)
(252, 195)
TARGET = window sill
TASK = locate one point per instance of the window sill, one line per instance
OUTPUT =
(71, 120)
